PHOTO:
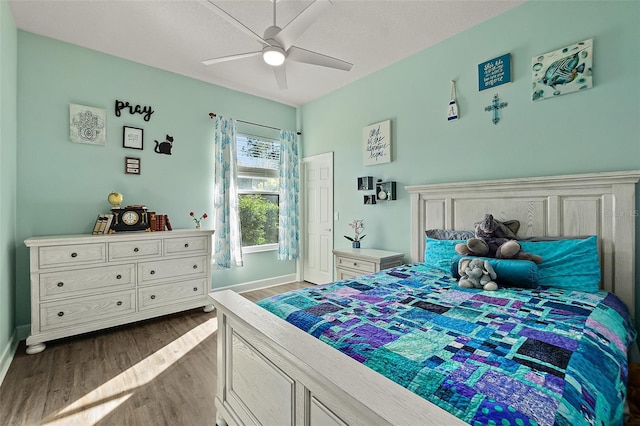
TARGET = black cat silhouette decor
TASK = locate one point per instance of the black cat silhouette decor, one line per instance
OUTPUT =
(164, 147)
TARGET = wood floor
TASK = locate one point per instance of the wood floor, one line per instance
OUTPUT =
(155, 372)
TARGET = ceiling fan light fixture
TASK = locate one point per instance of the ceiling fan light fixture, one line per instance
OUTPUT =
(273, 55)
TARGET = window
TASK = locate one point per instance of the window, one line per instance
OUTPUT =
(258, 184)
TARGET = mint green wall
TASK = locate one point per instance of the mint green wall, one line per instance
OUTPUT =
(596, 130)
(8, 177)
(62, 186)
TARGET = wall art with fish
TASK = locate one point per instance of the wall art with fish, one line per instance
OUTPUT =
(563, 71)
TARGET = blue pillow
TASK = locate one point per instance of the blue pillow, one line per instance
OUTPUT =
(438, 253)
(571, 264)
(511, 272)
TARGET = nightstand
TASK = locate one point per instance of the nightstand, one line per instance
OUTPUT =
(355, 262)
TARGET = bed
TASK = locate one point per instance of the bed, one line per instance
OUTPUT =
(271, 372)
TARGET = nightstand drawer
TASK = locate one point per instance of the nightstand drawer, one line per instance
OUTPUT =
(355, 264)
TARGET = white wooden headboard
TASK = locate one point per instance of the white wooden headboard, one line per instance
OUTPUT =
(600, 204)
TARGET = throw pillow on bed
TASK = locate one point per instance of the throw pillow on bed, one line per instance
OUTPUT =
(510, 272)
(571, 264)
(438, 253)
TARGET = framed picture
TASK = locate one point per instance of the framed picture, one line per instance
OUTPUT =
(132, 137)
(562, 71)
(132, 165)
(377, 143)
(495, 72)
(87, 125)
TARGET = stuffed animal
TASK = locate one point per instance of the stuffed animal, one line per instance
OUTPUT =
(496, 239)
(476, 273)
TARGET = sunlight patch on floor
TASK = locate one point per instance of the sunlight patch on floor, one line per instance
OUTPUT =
(98, 403)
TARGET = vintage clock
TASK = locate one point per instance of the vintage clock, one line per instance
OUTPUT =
(130, 218)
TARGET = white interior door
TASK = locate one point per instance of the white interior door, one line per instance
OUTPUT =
(318, 218)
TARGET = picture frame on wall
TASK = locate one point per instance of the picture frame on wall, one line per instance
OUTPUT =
(562, 71)
(132, 165)
(377, 143)
(132, 137)
(87, 125)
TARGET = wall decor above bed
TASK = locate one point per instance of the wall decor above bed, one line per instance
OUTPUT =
(494, 72)
(495, 108)
(563, 71)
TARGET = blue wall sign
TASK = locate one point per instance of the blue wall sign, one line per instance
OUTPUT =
(494, 72)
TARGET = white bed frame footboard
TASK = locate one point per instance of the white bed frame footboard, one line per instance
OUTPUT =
(273, 374)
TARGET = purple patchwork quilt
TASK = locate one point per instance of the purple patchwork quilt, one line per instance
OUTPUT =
(511, 357)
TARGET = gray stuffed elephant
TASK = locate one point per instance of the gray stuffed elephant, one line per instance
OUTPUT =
(477, 273)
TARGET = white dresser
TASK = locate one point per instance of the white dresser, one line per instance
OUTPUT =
(82, 283)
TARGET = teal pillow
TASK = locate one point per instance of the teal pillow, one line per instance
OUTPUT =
(510, 272)
(571, 264)
(438, 253)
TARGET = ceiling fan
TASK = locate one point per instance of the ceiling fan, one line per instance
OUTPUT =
(278, 42)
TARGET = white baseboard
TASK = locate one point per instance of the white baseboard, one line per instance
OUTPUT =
(260, 284)
(8, 354)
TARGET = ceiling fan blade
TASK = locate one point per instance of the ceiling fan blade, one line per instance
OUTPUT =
(233, 21)
(308, 57)
(298, 25)
(281, 76)
(231, 58)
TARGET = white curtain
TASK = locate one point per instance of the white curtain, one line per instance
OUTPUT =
(289, 218)
(227, 240)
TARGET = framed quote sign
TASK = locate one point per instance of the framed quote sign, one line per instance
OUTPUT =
(495, 72)
(377, 143)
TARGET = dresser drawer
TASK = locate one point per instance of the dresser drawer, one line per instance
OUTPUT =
(74, 254)
(82, 281)
(134, 249)
(167, 294)
(186, 245)
(149, 272)
(355, 264)
(86, 309)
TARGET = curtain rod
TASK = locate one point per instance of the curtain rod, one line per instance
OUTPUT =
(212, 114)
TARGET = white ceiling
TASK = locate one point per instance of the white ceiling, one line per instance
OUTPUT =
(177, 35)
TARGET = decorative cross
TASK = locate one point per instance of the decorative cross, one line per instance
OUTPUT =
(495, 106)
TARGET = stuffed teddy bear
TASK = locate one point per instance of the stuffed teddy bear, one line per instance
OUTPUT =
(495, 239)
(477, 273)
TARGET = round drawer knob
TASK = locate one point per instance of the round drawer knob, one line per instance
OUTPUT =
(195, 289)
(135, 250)
(186, 245)
(153, 296)
(60, 284)
(119, 303)
(195, 266)
(152, 272)
(60, 314)
(74, 254)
